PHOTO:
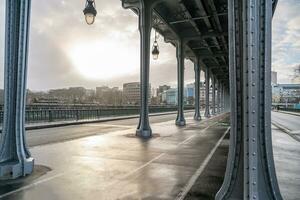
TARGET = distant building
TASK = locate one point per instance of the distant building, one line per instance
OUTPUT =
(160, 91)
(109, 96)
(190, 93)
(286, 93)
(169, 96)
(274, 78)
(296, 78)
(131, 93)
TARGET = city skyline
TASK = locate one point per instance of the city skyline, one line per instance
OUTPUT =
(65, 52)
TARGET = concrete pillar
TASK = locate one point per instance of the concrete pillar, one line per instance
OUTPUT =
(213, 79)
(197, 70)
(15, 159)
(250, 171)
(180, 121)
(207, 88)
(145, 11)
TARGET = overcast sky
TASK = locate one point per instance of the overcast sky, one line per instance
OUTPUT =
(64, 51)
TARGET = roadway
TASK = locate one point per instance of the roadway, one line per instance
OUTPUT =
(289, 123)
(106, 161)
(59, 134)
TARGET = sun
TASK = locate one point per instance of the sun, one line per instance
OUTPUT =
(102, 60)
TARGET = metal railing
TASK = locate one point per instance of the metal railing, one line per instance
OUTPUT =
(290, 109)
(55, 115)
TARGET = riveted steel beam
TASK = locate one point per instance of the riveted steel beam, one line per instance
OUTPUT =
(250, 172)
(197, 18)
(15, 159)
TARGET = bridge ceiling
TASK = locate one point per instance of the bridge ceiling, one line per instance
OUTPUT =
(203, 24)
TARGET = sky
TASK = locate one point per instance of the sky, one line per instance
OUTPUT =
(64, 51)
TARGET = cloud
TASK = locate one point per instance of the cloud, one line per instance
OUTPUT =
(286, 39)
(57, 25)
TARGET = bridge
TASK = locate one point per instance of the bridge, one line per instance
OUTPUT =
(231, 42)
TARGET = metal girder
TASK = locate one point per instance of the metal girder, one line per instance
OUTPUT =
(216, 18)
(197, 18)
(250, 172)
(206, 21)
(15, 159)
(195, 26)
(203, 36)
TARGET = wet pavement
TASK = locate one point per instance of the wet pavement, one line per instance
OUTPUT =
(287, 162)
(105, 161)
(113, 164)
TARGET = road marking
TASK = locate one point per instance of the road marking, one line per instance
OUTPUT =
(31, 185)
(162, 154)
(199, 171)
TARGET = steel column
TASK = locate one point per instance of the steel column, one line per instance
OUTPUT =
(207, 88)
(250, 172)
(197, 70)
(180, 121)
(219, 97)
(145, 11)
(213, 79)
(15, 159)
(223, 98)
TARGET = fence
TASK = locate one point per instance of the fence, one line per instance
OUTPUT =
(54, 115)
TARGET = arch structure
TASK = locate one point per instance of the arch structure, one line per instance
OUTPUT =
(229, 40)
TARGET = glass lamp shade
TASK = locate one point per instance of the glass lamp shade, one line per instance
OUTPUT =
(89, 18)
(90, 12)
(155, 51)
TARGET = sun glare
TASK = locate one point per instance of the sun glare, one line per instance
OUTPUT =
(103, 60)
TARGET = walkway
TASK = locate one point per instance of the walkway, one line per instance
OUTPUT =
(105, 161)
(118, 165)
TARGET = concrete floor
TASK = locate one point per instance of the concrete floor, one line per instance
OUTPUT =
(118, 165)
(105, 161)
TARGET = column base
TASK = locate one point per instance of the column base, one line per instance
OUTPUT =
(197, 118)
(15, 169)
(143, 133)
(180, 122)
(207, 115)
